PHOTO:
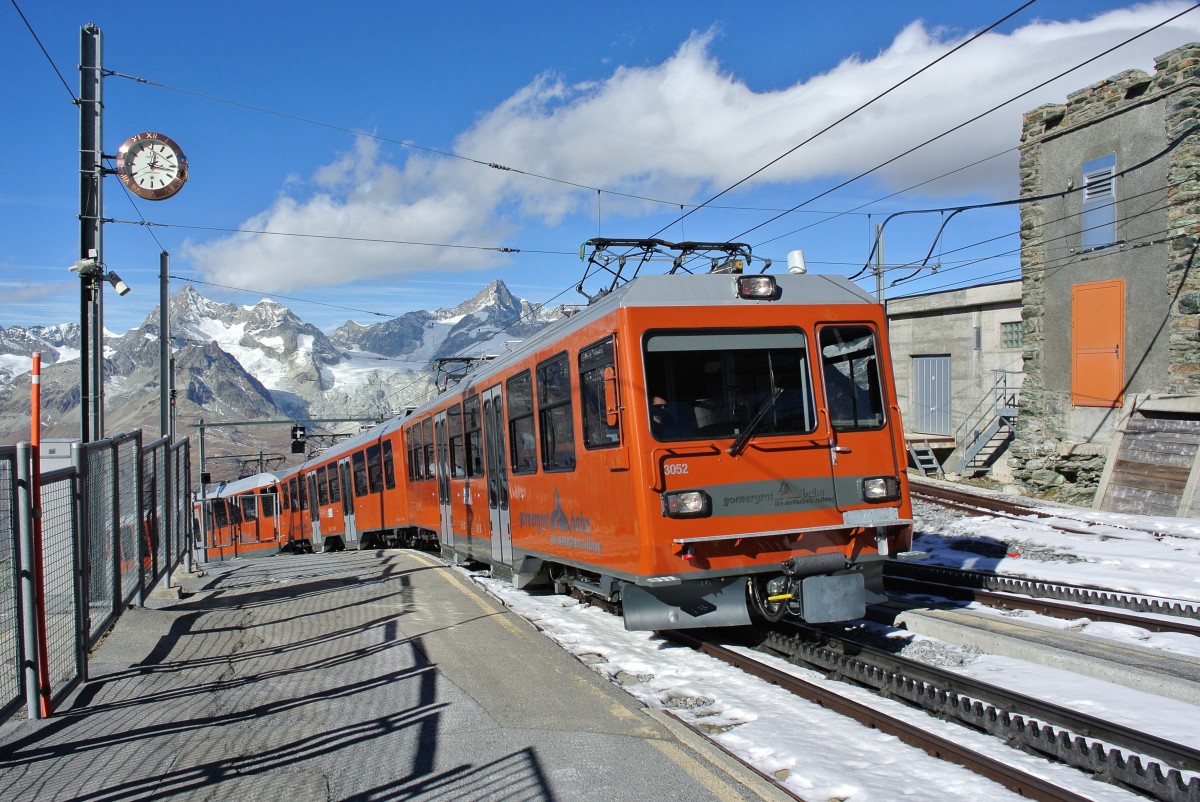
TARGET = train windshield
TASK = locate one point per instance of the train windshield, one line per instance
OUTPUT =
(711, 384)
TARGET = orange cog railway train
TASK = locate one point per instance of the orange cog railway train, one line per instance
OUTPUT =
(704, 448)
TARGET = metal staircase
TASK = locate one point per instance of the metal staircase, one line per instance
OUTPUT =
(988, 428)
(924, 458)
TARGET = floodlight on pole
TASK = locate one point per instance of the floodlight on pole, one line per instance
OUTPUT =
(120, 286)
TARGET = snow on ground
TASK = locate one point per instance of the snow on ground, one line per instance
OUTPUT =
(821, 755)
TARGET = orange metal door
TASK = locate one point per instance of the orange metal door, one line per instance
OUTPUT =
(1098, 344)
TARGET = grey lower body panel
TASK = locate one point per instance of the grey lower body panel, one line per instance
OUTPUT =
(701, 603)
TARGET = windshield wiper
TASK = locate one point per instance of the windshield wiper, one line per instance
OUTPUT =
(767, 405)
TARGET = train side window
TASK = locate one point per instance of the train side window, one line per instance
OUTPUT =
(554, 414)
(389, 466)
(294, 493)
(375, 468)
(335, 485)
(219, 515)
(594, 400)
(429, 468)
(303, 491)
(268, 503)
(474, 436)
(360, 474)
(851, 372)
(454, 425)
(414, 453)
(522, 445)
(322, 486)
(249, 507)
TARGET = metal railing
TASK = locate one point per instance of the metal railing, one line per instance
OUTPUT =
(97, 539)
(1000, 397)
(998, 403)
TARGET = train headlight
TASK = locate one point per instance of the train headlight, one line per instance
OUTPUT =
(880, 488)
(687, 504)
(756, 287)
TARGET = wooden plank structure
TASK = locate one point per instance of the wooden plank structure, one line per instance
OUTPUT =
(1152, 466)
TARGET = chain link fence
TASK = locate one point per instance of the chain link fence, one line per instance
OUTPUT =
(97, 539)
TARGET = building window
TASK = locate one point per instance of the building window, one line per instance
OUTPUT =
(1099, 220)
(1010, 335)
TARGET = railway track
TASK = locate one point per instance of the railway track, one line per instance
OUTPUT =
(1145, 763)
(1048, 598)
(975, 504)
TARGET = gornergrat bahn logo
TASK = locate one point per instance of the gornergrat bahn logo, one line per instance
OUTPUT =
(784, 496)
(564, 528)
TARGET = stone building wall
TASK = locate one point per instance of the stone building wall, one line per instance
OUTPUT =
(1053, 454)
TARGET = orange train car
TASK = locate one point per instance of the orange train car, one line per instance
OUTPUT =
(702, 448)
(349, 496)
(706, 449)
(242, 516)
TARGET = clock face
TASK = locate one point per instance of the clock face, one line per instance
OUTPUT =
(152, 166)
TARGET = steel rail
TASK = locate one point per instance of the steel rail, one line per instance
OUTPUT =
(1049, 598)
(1138, 760)
(1012, 778)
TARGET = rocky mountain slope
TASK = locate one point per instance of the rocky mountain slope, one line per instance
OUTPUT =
(245, 365)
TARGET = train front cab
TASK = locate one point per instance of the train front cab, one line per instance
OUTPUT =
(784, 482)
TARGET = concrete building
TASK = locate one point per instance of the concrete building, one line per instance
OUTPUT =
(1111, 291)
(957, 360)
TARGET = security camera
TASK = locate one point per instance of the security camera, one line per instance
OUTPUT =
(120, 286)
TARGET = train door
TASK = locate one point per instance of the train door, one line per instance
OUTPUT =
(314, 512)
(862, 442)
(346, 490)
(496, 471)
(442, 475)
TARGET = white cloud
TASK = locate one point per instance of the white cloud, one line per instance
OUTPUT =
(676, 131)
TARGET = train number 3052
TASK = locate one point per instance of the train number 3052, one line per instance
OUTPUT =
(675, 468)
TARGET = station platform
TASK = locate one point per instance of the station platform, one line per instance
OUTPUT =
(376, 675)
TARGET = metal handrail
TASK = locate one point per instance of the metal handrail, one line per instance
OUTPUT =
(999, 396)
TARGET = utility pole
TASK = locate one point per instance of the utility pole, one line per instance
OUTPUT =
(879, 263)
(91, 245)
(164, 351)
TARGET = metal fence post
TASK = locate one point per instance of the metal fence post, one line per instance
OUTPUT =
(30, 631)
(185, 496)
(166, 527)
(115, 526)
(83, 557)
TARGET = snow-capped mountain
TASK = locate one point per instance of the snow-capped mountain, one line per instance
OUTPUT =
(235, 363)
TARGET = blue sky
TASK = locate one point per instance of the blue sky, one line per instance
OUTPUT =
(367, 128)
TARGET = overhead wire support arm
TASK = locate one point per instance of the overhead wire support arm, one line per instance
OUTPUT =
(925, 262)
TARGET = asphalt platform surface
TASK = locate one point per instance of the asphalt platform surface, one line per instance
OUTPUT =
(375, 675)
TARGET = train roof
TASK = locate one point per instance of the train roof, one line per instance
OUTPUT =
(242, 485)
(351, 443)
(707, 290)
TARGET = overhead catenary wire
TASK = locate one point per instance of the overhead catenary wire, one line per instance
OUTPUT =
(842, 119)
(979, 116)
(489, 164)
